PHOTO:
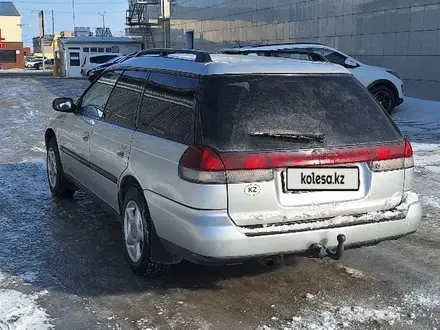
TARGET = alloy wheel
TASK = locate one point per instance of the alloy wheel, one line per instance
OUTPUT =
(133, 231)
(384, 99)
(52, 170)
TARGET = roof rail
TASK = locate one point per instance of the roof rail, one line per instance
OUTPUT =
(289, 43)
(201, 56)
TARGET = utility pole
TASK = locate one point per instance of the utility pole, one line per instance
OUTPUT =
(165, 13)
(41, 24)
(73, 15)
(103, 22)
(53, 24)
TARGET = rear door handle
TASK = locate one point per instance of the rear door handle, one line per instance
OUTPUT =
(86, 136)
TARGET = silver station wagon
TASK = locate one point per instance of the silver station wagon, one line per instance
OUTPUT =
(223, 159)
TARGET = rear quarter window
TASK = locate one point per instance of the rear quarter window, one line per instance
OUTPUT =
(234, 107)
(101, 59)
(168, 107)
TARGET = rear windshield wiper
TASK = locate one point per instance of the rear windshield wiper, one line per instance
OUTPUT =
(291, 136)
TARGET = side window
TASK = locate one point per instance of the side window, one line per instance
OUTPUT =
(168, 107)
(295, 56)
(122, 106)
(332, 56)
(94, 100)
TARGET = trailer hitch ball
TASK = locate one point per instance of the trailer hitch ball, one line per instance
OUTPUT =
(337, 254)
(318, 250)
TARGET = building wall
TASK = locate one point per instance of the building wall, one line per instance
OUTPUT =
(18, 48)
(403, 35)
(47, 46)
(124, 48)
(11, 29)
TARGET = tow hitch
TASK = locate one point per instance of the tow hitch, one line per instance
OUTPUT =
(318, 250)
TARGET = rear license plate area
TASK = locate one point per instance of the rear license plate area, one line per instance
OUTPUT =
(331, 178)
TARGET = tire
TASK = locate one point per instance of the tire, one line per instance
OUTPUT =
(59, 186)
(385, 96)
(136, 241)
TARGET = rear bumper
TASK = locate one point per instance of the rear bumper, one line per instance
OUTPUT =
(210, 237)
(399, 102)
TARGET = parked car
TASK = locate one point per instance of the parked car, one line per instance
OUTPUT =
(385, 84)
(93, 61)
(220, 159)
(48, 65)
(94, 73)
(30, 63)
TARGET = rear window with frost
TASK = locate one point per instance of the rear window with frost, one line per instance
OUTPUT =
(234, 107)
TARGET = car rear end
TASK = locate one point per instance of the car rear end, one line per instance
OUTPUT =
(83, 66)
(304, 158)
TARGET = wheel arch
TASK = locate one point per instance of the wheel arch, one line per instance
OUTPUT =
(127, 182)
(386, 83)
(158, 253)
(48, 135)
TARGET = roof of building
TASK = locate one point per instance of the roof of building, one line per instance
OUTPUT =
(232, 64)
(94, 39)
(8, 9)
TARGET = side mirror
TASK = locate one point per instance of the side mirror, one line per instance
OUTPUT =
(63, 104)
(350, 63)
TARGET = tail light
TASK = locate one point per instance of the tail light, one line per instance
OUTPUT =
(203, 165)
(405, 160)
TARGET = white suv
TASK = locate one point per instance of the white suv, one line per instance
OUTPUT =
(220, 159)
(384, 84)
(92, 61)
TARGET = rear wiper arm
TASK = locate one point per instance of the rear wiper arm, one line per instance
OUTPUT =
(292, 136)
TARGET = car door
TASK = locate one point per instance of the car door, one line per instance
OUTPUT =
(166, 128)
(74, 137)
(111, 141)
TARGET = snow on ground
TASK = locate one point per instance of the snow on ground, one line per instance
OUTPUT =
(420, 120)
(322, 314)
(432, 201)
(21, 311)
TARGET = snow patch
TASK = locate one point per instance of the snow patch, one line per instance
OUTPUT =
(30, 277)
(309, 296)
(426, 154)
(38, 149)
(335, 318)
(349, 315)
(433, 169)
(422, 300)
(352, 271)
(432, 201)
(20, 311)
